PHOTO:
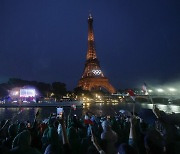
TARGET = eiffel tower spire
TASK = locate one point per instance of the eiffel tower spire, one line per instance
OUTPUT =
(93, 77)
(91, 53)
(92, 66)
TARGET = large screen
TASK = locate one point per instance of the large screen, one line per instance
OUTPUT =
(27, 93)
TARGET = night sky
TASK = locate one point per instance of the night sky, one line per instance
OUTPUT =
(46, 40)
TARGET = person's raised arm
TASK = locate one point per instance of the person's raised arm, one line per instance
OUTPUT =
(66, 145)
(64, 133)
(35, 119)
(95, 143)
(132, 134)
(156, 111)
(5, 125)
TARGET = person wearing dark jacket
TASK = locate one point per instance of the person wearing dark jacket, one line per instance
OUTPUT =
(21, 144)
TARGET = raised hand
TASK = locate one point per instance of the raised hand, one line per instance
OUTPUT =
(37, 113)
(133, 120)
(156, 111)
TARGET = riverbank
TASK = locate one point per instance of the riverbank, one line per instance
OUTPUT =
(43, 104)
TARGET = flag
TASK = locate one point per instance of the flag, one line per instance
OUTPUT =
(73, 106)
(87, 120)
(131, 94)
(144, 88)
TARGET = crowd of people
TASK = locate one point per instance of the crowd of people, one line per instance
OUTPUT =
(91, 134)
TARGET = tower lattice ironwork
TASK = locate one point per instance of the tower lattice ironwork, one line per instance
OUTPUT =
(93, 77)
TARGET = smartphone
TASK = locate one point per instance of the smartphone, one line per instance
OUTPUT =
(28, 125)
(59, 112)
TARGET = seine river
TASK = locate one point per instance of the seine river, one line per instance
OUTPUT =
(98, 109)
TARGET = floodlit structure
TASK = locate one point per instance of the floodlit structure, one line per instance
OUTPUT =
(93, 77)
(23, 94)
(27, 93)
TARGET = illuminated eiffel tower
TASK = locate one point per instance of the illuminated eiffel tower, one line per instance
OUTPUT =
(93, 77)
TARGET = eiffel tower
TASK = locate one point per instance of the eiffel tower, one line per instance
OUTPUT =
(93, 77)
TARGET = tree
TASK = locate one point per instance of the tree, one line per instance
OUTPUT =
(3, 90)
(59, 89)
(78, 90)
(44, 88)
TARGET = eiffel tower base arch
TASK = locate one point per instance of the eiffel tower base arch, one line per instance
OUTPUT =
(91, 82)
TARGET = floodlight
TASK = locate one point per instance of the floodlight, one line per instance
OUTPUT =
(172, 89)
(160, 90)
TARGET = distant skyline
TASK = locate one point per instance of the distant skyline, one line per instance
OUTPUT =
(136, 41)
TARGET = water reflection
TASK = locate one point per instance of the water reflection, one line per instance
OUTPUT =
(99, 109)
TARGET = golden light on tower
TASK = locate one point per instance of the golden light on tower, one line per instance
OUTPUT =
(93, 77)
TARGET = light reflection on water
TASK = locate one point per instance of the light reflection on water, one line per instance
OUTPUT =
(99, 109)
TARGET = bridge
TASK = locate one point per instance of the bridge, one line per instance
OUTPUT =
(162, 99)
(159, 96)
